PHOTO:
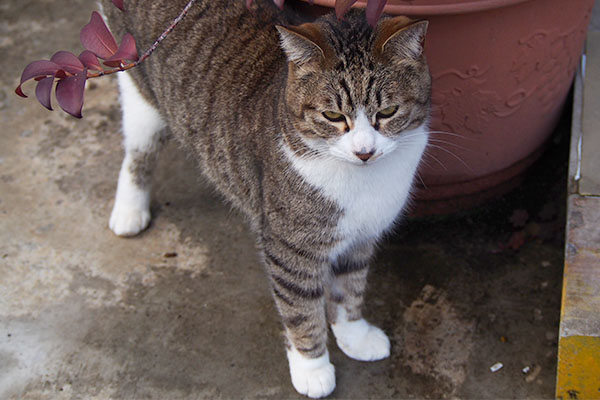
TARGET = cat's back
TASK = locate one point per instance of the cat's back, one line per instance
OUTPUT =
(216, 80)
(218, 61)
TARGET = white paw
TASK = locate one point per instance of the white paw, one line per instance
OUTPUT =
(128, 221)
(312, 377)
(361, 341)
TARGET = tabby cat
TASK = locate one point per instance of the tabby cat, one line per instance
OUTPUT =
(313, 130)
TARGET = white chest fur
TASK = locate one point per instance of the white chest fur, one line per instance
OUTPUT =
(370, 196)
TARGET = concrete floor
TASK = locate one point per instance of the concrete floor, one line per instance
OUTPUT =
(183, 311)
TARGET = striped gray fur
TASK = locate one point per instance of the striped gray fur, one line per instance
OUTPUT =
(228, 95)
(142, 166)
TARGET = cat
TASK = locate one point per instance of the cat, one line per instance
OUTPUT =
(314, 130)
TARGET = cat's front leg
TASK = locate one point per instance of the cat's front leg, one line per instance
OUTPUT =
(356, 337)
(297, 284)
(312, 377)
(141, 127)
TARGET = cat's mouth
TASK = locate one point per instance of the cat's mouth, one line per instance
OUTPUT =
(374, 158)
(359, 159)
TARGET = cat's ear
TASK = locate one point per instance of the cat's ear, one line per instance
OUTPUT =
(401, 38)
(302, 44)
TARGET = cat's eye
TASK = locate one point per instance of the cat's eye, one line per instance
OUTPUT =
(387, 112)
(334, 116)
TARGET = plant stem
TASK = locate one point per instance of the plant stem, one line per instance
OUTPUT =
(147, 53)
(166, 33)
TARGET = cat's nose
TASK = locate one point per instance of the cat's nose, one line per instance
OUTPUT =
(364, 155)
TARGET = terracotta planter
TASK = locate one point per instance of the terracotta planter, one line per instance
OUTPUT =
(501, 70)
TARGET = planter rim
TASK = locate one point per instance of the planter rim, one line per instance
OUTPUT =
(458, 7)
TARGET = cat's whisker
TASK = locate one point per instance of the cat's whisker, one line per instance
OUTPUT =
(425, 162)
(421, 179)
(453, 134)
(438, 140)
(426, 154)
(407, 142)
(412, 135)
(311, 154)
(450, 144)
(452, 154)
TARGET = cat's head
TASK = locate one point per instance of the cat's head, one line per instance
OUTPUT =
(354, 92)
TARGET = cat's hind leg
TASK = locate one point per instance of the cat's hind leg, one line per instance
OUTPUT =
(356, 337)
(142, 126)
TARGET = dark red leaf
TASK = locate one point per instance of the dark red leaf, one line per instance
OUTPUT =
(342, 6)
(96, 37)
(69, 93)
(90, 60)
(127, 51)
(43, 91)
(119, 4)
(67, 61)
(248, 3)
(40, 68)
(374, 10)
